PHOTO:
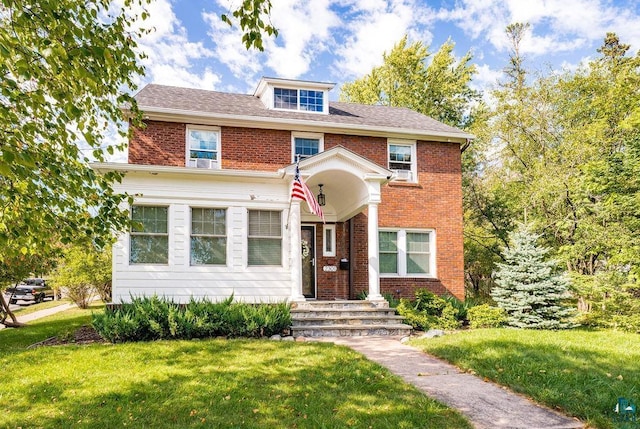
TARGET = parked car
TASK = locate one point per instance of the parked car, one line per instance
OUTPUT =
(36, 290)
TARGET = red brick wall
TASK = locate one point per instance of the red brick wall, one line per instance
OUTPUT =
(434, 203)
(159, 143)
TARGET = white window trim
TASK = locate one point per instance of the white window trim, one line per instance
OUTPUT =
(402, 253)
(331, 230)
(218, 163)
(226, 236)
(325, 100)
(414, 158)
(294, 135)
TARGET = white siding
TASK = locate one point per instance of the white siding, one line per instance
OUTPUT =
(179, 280)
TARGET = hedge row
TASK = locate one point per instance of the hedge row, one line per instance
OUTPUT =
(154, 318)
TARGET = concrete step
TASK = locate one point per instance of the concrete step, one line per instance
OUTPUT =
(340, 304)
(335, 312)
(350, 330)
(348, 320)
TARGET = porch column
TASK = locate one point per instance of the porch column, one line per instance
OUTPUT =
(295, 251)
(374, 263)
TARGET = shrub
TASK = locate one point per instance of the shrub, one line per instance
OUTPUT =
(80, 294)
(486, 316)
(428, 311)
(153, 318)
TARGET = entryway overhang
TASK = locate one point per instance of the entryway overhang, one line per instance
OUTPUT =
(351, 184)
(349, 181)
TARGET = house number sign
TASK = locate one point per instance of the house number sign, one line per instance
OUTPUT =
(330, 268)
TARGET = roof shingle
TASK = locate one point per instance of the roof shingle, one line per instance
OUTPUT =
(154, 96)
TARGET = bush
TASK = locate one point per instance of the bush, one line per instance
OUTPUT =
(80, 294)
(154, 318)
(428, 311)
(486, 316)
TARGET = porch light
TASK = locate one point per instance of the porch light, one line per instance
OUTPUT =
(321, 198)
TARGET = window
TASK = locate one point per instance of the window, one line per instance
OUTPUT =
(293, 99)
(265, 237)
(149, 243)
(208, 236)
(306, 144)
(388, 243)
(285, 98)
(406, 253)
(203, 147)
(329, 246)
(311, 101)
(402, 161)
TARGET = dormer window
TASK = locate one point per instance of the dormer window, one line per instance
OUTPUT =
(302, 96)
(294, 99)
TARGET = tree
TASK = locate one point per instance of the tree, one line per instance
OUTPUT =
(67, 68)
(528, 286)
(439, 90)
(83, 271)
(251, 16)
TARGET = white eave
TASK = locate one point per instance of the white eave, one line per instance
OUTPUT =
(235, 175)
(221, 119)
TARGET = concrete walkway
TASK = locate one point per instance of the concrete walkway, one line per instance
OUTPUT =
(41, 313)
(486, 405)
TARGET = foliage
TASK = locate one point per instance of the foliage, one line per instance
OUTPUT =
(486, 316)
(428, 311)
(207, 383)
(83, 270)
(608, 299)
(562, 150)
(66, 69)
(439, 90)
(154, 318)
(528, 286)
(251, 16)
(576, 371)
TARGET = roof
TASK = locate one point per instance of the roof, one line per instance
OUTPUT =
(171, 100)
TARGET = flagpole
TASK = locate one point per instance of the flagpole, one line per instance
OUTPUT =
(286, 226)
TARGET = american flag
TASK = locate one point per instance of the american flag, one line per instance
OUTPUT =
(300, 191)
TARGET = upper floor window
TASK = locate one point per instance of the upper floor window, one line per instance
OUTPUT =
(208, 236)
(306, 144)
(294, 99)
(407, 253)
(203, 147)
(149, 236)
(402, 161)
(285, 98)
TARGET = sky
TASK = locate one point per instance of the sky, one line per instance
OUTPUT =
(342, 40)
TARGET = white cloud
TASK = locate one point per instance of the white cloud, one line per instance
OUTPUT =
(171, 56)
(304, 32)
(556, 25)
(376, 26)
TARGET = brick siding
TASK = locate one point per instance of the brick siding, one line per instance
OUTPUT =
(434, 203)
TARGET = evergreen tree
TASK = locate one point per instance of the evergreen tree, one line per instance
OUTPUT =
(529, 287)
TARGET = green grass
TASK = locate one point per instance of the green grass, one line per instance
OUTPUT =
(578, 371)
(207, 383)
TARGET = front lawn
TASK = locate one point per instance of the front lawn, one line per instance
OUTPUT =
(206, 383)
(578, 371)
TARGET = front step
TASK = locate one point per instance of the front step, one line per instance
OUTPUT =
(346, 319)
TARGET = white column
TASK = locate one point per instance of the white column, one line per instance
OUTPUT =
(295, 251)
(374, 263)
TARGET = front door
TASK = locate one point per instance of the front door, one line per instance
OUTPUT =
(308, 234)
